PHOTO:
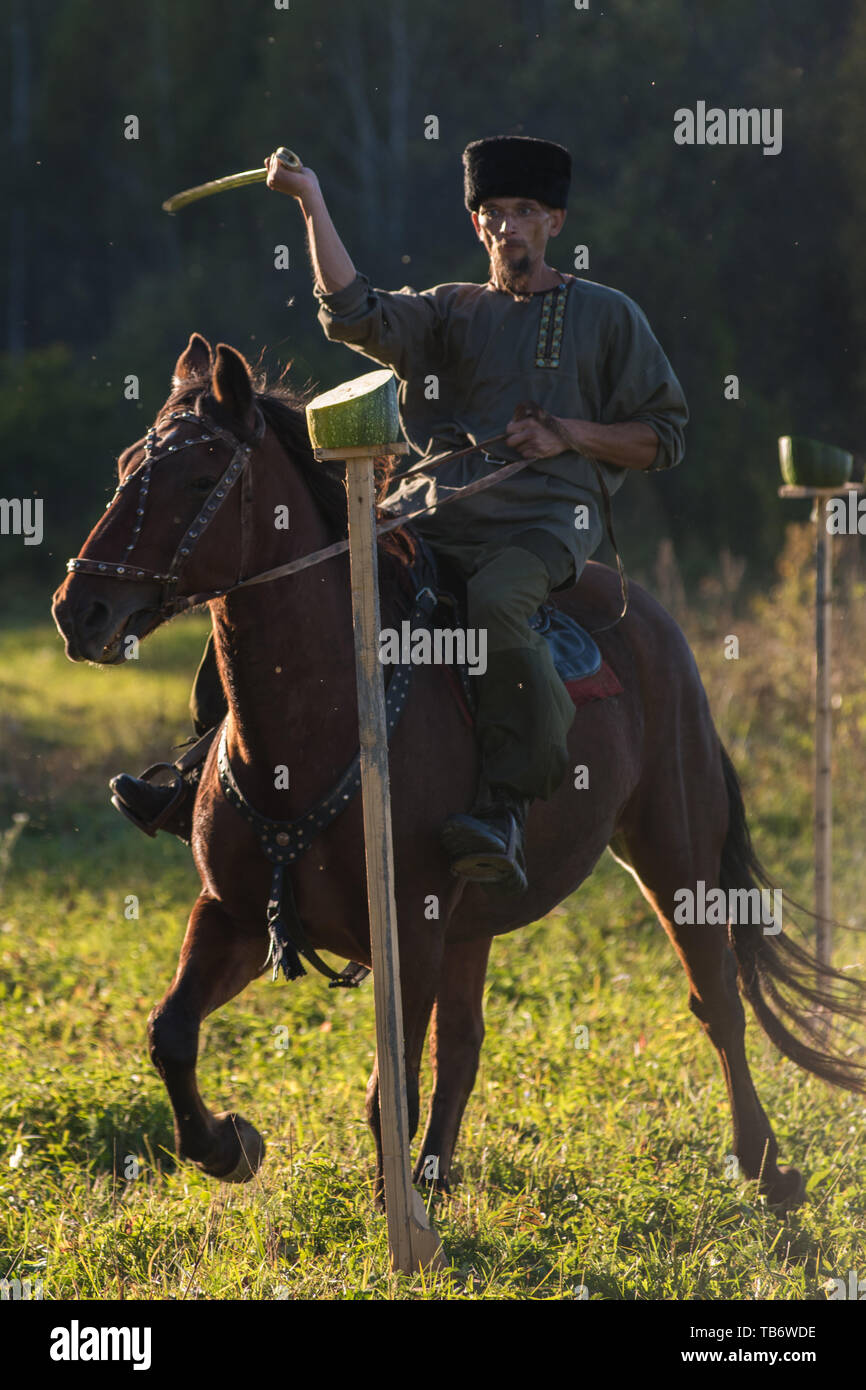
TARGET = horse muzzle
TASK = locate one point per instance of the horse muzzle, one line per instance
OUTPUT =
(97, 621)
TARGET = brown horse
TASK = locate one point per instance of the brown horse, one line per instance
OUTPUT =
(664, 795)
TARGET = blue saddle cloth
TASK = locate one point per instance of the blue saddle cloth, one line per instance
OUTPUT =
(575, 654)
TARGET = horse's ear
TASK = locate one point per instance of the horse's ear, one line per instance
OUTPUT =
(195, 360)
(231, 383)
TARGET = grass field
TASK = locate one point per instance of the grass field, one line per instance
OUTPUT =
(592, 1171)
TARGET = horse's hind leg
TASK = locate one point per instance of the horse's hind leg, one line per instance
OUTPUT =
(216, 962)
(456, 1036)
(664, 861)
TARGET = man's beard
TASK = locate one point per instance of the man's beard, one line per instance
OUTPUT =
(508, 274)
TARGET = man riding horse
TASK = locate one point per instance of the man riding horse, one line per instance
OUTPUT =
(468, 358)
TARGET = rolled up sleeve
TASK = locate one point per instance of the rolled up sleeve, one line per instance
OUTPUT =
(641, 384)
(394, 328)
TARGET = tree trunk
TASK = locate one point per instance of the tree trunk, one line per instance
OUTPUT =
(19, 132)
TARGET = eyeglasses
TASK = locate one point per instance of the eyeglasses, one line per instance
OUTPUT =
(524, 212)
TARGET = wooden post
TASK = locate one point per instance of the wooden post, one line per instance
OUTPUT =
(412, 1240)
(823, 711)
(823, 739)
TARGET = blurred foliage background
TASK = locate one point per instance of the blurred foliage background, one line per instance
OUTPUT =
(744, 263)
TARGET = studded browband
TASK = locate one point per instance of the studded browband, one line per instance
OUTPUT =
(127, 569)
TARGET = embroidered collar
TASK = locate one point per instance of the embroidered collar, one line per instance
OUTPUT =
(549, 344)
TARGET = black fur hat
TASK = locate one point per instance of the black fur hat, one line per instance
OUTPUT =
(516, 166)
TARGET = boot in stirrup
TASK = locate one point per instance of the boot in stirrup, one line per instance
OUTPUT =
(152, 806)
(486, 846)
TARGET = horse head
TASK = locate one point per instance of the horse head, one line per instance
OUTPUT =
(195, 506)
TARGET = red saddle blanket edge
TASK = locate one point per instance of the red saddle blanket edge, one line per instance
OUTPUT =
(600, 686)
(605, 682)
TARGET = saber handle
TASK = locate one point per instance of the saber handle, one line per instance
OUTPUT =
(247, 176)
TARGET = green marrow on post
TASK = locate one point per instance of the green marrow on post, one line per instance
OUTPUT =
(359, 413)
(807, 463)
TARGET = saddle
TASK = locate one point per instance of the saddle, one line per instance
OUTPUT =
(576, 655)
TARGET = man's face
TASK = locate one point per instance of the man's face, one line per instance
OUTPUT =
(515, 233)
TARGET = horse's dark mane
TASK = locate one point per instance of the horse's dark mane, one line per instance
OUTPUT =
(283, 408)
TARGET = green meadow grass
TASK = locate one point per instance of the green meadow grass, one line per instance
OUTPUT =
(592, 1171)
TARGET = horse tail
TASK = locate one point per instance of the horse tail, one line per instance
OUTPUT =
(783, 982)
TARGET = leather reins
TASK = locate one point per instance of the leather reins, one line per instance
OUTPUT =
(171, 604)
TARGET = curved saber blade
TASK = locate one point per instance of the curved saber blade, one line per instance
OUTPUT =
(204, 190)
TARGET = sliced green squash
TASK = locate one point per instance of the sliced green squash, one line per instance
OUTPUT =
(357, 413)
(807, 463)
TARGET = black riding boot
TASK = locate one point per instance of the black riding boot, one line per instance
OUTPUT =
(486, 846)
(153, 807)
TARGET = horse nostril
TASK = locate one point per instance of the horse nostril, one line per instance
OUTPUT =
(96, 617)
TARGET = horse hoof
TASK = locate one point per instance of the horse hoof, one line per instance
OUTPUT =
(787, 1191)
(240, 1149)
(440, 1186)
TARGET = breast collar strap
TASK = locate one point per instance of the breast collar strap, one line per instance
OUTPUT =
(282, 842)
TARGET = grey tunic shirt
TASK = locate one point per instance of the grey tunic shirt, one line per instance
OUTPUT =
(466, 354)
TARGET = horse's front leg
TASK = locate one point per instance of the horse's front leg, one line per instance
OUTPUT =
(217, 960)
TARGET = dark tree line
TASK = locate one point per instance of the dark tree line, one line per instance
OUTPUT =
(746, 264)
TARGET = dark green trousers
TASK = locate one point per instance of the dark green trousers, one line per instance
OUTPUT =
(207, 702)
(524, 710)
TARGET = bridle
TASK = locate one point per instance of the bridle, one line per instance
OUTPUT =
(170, 604)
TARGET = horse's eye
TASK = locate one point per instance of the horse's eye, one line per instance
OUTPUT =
(204, 484)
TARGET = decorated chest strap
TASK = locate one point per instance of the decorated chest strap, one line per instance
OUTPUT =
(284, 841)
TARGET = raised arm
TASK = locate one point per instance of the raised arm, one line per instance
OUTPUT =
(332, 266)
(399, 329)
